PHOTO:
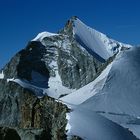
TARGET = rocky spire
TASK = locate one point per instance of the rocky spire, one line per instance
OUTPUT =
(68, 28)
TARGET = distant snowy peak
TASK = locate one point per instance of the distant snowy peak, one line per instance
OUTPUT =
(98, 44)
(42, 35)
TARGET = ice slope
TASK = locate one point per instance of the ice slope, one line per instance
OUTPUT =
(95, 42)
(91, 126)
(125, 120)
(121, 93)
(86, 92)
(118, 100)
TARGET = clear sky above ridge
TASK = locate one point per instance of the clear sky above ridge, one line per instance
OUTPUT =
(22, 20)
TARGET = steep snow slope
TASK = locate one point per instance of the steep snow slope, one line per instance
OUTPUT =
(118, 99)
(84, 93)
(91, 126)
(121, 93)
(95, 42)
(125, 120)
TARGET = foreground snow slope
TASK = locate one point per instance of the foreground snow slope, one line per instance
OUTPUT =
(91, 126)
(121, 93)
(118, 99)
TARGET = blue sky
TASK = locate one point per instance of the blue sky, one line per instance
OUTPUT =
(22, 20)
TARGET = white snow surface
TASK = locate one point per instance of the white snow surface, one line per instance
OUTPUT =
(121, 93)
(42, 35)
(95, 41)
(89, 90)
(117, 101)
(56, 88)
(125, 120)
(68, 126)
(91, 126)
(2, 75)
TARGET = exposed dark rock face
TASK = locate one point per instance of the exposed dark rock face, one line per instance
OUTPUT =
(77, 68)
(8, 134)
(83, 67)
(27, 63)
(20, 108)
(30, 59)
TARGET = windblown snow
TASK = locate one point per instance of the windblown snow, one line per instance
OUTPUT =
(98, 44)
(92, 126)
(121, 93)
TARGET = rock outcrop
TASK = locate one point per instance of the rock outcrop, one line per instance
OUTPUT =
(21, 109)
(8, 133)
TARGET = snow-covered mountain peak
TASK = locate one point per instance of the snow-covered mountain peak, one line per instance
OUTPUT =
(97, 43)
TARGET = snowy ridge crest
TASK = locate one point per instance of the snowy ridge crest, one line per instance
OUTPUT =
(42, 35)
(96, 42)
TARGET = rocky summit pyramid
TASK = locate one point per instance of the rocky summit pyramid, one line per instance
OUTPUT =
(77, 84)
